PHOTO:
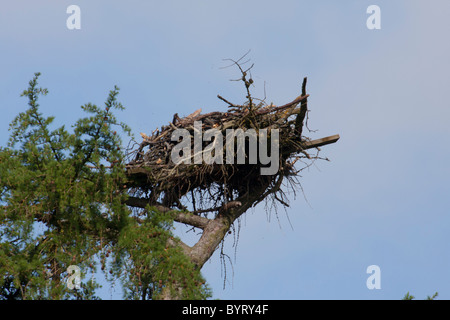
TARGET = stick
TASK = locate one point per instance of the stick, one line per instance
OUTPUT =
(287, 105)
(320, 142)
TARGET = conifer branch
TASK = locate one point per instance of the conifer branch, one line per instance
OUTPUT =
(178, 216)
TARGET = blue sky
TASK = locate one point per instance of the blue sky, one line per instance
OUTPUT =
(383, 198)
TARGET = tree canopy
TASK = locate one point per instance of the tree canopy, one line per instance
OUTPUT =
(62, 203)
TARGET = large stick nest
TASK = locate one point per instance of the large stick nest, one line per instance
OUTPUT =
(206, 187)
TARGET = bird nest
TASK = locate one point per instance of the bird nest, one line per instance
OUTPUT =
(164, 173)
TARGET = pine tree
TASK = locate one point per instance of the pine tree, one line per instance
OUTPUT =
(63, 202)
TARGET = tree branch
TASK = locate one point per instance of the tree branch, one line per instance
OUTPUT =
(287, 105)
(303, 109)
(178, 216)
(320, 142)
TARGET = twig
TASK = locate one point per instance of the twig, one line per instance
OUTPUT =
(287, 105)
(225, 100)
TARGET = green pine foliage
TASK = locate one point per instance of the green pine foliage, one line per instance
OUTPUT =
(62, 199)
(408, 296)
(149, 265)
(411, 297)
